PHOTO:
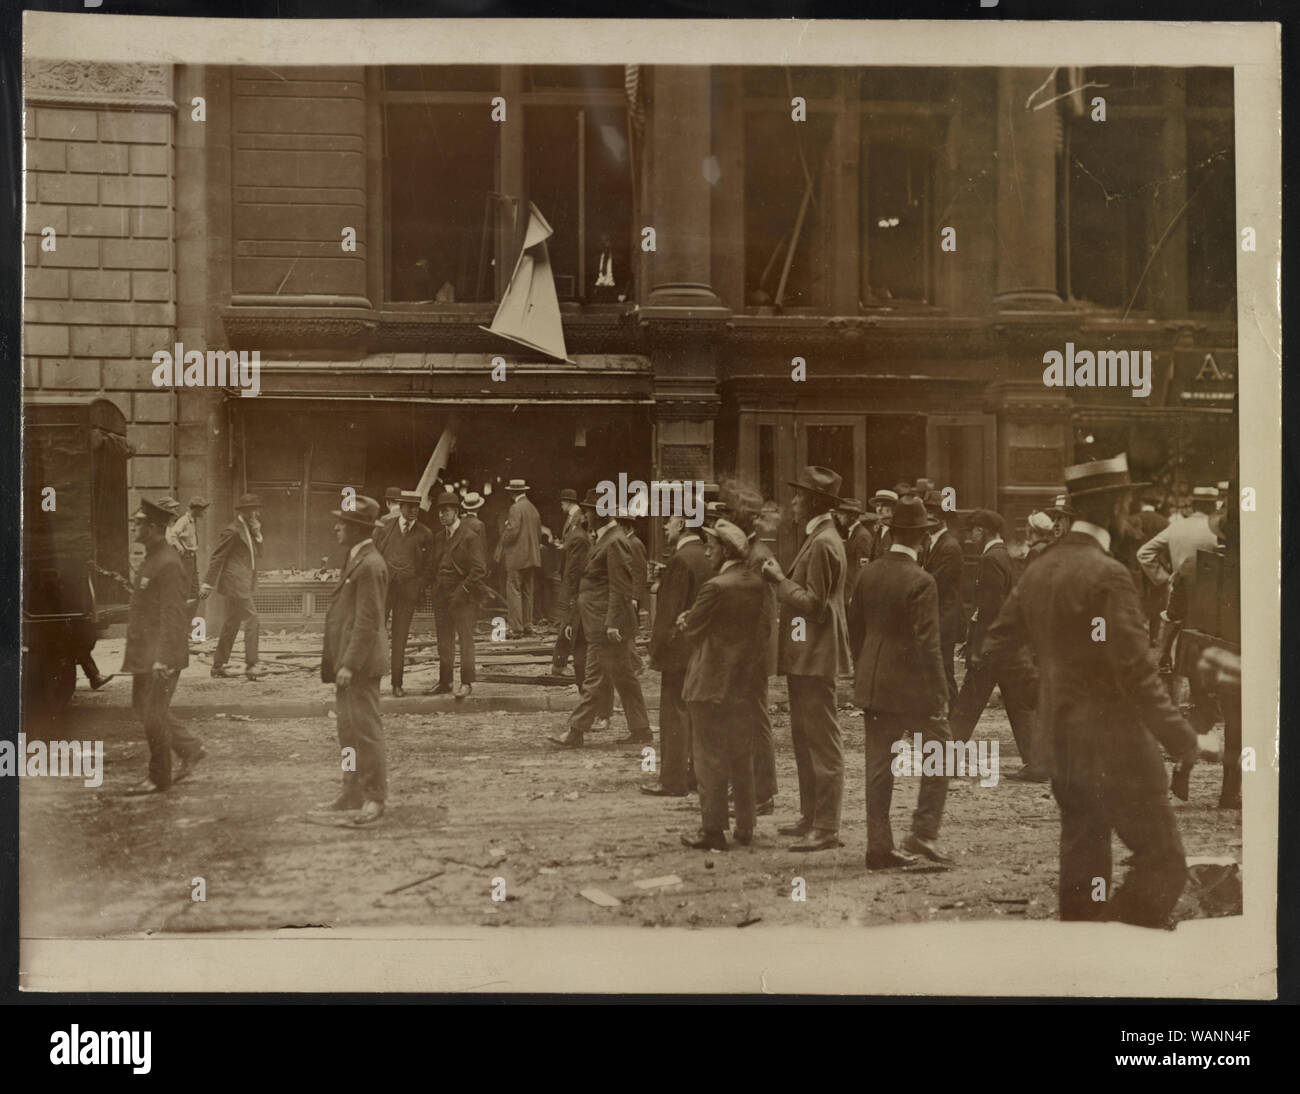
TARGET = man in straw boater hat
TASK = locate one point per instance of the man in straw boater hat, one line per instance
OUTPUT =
(157, 648)
(521, 547)
(462, 564)
(883, 502)
(727, 647)
(1105, 714)
(354, 657)
(814, 650)
(408, 552)
(232, 571)
(470, 503)
(899, 681)
(607, 616)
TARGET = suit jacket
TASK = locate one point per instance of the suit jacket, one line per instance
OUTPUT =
(577, 545)
(996, 578)
(943, 562)
(462, 564)
(894, 627)
(476, 526)
(857, 553)
(882, 542)
(383, 527)
(158, 624)
(1164, 553)
(522, 536)
(727, 642)
(640, 579)
(408, 555)
(687, 570)
(605, 591)
(1102, 705)
(771, 618)
(232, 569)
(814, 590)
(355, 638)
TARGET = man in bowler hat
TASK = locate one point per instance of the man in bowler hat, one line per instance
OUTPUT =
(232, 571)
(814, 649)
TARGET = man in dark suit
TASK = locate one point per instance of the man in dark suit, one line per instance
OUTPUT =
(941, 556)
(232, 571)
(899, 682)
(157, 648)
(722, 627)
(608, 619)
(407, 551)
(1016, 677)
(670, 650)
(857, 542)
(470, 503)
(393, 503)
(883, 501)
(521, 539)
(575, 543)
(1105, 713)
(462, 564)
(814, 650)
(353, 660)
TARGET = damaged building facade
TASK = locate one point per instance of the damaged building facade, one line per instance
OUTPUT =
(757, 267)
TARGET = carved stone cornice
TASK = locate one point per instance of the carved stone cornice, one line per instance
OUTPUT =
(98, 83)
(693, 398)
(338, 329)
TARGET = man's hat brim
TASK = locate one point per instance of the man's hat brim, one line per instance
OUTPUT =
(813, 490)
(1113, 488)
(353, 518)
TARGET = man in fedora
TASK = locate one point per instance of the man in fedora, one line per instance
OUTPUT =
(354, 658)
(722, 628)
(521, 548)
(462, 564)
(899, 682)
(1105, 714)
(183, 537)
(575, 542)
(608, 620)
(857, 541)
(393, 505)
(157, 648)
(942, 557)
(232, 571)
(407, 550)
(814, 650)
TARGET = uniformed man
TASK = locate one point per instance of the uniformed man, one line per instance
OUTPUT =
(157, 648)
(232, 570)
(354, 658)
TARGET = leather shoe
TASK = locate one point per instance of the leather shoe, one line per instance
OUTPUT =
(186, 767)
(888, 860)
(370, 812)
(658, 790)
(97, 682)
(744, 836)
(221, 672)
(802, 828)
(463, 691)
(254, 673)
(597, 724)
(344, 803)
(145, 786)
(765, 809)
(399, 692)
(569, 740)
(439, 689)
(706, 841)
(919, 846)
(820, 839)
(637, 739)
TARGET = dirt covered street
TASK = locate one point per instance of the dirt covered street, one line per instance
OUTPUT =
(479, 803)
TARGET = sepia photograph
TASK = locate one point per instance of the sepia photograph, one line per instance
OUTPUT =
(608, 487)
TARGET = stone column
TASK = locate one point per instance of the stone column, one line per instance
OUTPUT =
(1026, 192)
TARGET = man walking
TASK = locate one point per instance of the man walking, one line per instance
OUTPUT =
(575, 543)
(1104, 710)
(723, 628)
(1016, 678)
(941, 556)
(814, 650)
(157, 649)
(353, 660)
(232, 571)
(608, 617)
(461, 568)
(670, 653)
(900, 682)
(407, 551)
(522, 550)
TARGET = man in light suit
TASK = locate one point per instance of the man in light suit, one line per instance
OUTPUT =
(462, 564)
(521, 547)
(899, 682)
(723, 628)
(354, 658)
(941, 555)
(1105, 714)
(814, 650)
(608, 620)
(1016, 678)
(1168, 551)
(408, 553)
(232, 571)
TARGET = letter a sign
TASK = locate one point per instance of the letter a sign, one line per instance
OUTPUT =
(529, 312)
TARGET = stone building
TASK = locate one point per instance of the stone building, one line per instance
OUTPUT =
(872, 286)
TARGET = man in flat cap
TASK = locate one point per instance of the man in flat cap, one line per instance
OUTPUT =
(232, 571)
(1105, 714)
(157, 648)
(814, 650)
(183, 537)
(354, 658)
(408, 552)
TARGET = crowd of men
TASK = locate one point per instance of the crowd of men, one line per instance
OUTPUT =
(875, 595)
